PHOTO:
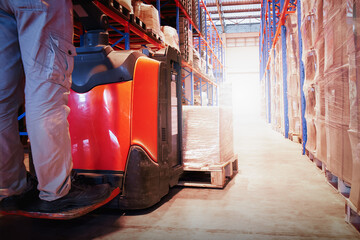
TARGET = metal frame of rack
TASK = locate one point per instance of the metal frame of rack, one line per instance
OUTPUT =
(272, 28)
(211, 43)
(126, 31)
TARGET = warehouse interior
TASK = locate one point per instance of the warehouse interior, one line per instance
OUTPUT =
(269, 120)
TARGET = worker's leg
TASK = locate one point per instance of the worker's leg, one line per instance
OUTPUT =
(45, 35)
(12, 169)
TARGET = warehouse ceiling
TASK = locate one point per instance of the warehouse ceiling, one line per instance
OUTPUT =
(234, 12)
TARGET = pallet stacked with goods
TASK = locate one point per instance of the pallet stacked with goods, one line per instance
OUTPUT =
(195, 13)
(293, 79)
(313, 47)
(185, 36)
(207, 117)
(131, 26)
(274, 55)
(313, 59)
(202, 21)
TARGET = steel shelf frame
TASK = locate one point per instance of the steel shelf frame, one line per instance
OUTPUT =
(272, 28)
(123, 32)
(124, 27)
(302, 79)
(210, 43)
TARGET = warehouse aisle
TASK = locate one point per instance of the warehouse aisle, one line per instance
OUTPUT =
(277, 194)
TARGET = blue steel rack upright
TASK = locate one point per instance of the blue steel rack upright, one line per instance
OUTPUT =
(272, 26)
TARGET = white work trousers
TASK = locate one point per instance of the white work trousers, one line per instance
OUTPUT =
(36, 50)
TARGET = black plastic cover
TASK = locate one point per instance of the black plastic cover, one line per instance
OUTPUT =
(142, 187)
(102, 65)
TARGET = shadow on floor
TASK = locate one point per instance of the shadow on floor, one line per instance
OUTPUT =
(172, 192)
(93, 225)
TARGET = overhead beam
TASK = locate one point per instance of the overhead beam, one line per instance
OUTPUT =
(213, 4)
(240, 17)
(237, 10)
(219, 12)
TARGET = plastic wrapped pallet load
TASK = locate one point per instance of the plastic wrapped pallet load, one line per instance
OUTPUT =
(354, 126)
(310, 9)
(320, 85)
(280, 88)
(226, 121)
(293, 79)
(207, 136)
(196, 60)
(171, 37)
(314, 86)
(339, 158)
(338, 33)
(191, 46)
(273, 99)
(263, 98)
(203, 65)
(277, 101)
(149, 15)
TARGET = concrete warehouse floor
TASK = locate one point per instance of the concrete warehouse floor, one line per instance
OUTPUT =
(277, 194)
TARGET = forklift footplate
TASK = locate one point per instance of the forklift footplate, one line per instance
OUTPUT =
(66, 215)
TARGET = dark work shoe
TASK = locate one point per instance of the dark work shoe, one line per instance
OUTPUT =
(21, 201)
(81, 194)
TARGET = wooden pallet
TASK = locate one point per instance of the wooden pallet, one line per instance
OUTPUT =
(117, 8)
(318, 163)
(211, 176)
(137, 22)
(351, 215)
(295, 138)
(309, 154)
(153, 35)
(339, 185)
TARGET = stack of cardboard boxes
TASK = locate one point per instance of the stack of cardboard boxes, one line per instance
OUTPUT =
(330, 31)
(293, 79)
(186, 42)
(330, 54)
(277, 95)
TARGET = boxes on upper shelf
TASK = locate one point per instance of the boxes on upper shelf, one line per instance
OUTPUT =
(195, 13)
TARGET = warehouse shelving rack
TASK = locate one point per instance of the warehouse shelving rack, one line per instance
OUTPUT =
(126, 32)
(210, 43)
(272, 28)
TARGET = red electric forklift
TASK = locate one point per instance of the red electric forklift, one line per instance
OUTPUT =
(125, 120)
